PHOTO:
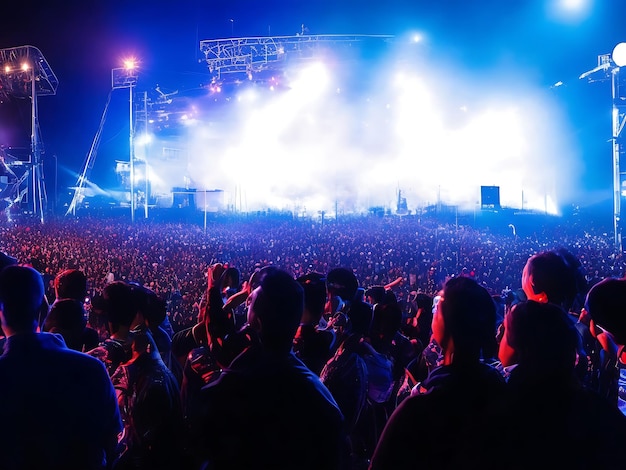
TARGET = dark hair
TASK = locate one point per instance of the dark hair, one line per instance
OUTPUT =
(558, 273)
(606, 304)
(71, 284)
(377, 293)
(343, 283)
(387, 320)
(469, 314)
(314, 285)
(360, 316)
(119, 303)
(156, 308)
(424, 301)
(278, 306)
(21, 296)
(258, 275)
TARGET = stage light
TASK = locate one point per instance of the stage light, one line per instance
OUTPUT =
(619, 54)
(129, 64)
(25, 67)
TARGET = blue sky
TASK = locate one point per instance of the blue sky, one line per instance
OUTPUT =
(534, 40)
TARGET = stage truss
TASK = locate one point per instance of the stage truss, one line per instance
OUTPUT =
(607, 70)
(25, 73)
(229, 61)
(230, 57)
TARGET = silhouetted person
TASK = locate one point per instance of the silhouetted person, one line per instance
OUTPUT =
(149, 399)
(440, 425)
(59, 409)
(267, 409)
(120, 309)
(606, 307)
(67, 317)
(551, 420)
(314, 345)
(70, 290)
(555, 276)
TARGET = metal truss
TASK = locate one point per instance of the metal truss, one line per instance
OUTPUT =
(255, 54)
(607, 70)
(16, 81)
(25, 73)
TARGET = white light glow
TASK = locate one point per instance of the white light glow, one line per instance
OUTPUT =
(129, 64)
(309, 148)
(619, 54)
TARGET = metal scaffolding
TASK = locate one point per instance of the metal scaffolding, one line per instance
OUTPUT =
(255, 54)
(26, 74)
(604, 71)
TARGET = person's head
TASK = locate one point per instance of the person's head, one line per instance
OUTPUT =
(67, 317)
(386, 322)
(606, 305)
(257, 276)
(314, 285)
(21, 298)
(71, 284)
(539, 336)
(464, 319)
(275, 310)
(553, 276)
(360, 318)
(424, 302)
(143, 344)
(6, 260)
(231, 281)
(341, 282)
(119, 304)
(375, 294)
(155, 310)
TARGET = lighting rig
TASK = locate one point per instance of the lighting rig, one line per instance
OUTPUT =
(229, 59)
(608, 68)
(25, 73)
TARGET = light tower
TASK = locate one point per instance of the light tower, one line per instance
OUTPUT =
(126, 77)
(609, 68)
(26, 74)
(618, 88)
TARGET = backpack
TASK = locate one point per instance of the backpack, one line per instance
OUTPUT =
(153, 414)
(379, 368)
(361, 381)
(345, 376)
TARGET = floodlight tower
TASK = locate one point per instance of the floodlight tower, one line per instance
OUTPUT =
(610, 65)
(618, 114)
(126, 77)
(27, 74)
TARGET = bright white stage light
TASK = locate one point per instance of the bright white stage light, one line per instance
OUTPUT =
(129, 64)
(619, 54)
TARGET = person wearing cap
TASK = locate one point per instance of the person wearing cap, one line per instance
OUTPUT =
(59, 406)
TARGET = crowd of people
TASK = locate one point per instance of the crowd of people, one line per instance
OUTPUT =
(273, 342)
(171, 258)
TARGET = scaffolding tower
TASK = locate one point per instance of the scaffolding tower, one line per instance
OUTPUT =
(26, 74)
(606, 70)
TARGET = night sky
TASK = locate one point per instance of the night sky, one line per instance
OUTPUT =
(84, 40)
